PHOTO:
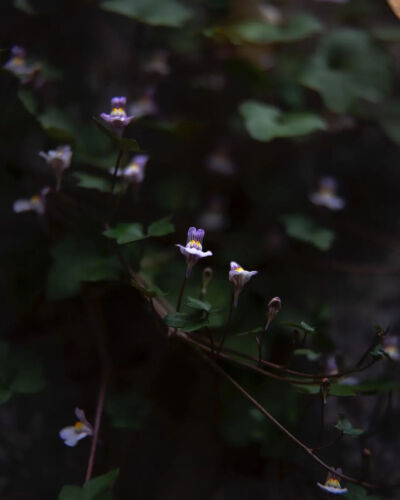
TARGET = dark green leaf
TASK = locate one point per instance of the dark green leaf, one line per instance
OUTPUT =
(71, 493)
(28, 100)
(92, 182)
(187, 322)
(348, 66)
(126, 233)
(305, 229)
(129, 145)
(199, 304)
(344, 425)
(95, 487)
(265, 123)
(293, 29)
(76, 260)
(25, 6)
(299, 326)
(154, 12)
(358, 493)
(161, 227)
(309, 353)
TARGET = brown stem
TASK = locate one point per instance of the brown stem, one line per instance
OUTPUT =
(299, 443)
(180, 297)
(228, 322)
(97, 422)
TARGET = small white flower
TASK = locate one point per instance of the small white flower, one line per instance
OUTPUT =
(59, 159)
(326, 195)
(332, 484)
(239, 277)
(74, 433)
(37, 203)
(391, 347)
(135, 171)
(193, 251)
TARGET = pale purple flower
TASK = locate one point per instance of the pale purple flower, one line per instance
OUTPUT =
(390, 345)
(59, 159)
(134, 172)
(332, 484)
(326, 196)
(18, 65)
(117, 117)
(37, 203)
(74, 433)
(193, 251)
(158, 64)
(145, 106)
(220, 162)
(239, 277)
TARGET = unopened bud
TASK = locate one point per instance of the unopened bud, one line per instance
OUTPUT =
(274, 306)
(325, 387)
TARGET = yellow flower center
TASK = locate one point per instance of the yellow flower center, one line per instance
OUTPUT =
(195, 243)
(79, 426)
(133, 168)
(334, 483)
(239, 269)
(35, 199)
(117, 111)
(18, 61)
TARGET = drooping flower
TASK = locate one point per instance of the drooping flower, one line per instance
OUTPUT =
(145, 106)
(37, 203)
(18, 65)
(193, 251)
(332, 484)
(117, 117)
(326, 196)
(274, 306)
(74, 433)
(220, 162)
(239, 277)
(390, 345)
(134, 172)
(59, 159)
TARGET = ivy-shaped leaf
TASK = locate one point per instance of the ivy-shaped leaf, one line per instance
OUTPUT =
(189, 322)
(346, 67)
(308, 353)
(131, 232)
(155, 12)
(305, 229)
(98, 488)
(265, 123)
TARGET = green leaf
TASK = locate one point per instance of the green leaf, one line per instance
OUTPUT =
(126, 232)
(185, 321)
(77, 259)
(293, 29)
(387, 33)
(303, 228)
(93, 182)
(130, 232)
(28, 100)
(161, 227)
(309, 353)
(358, 493)
(154, 12)
(199, 304)
(346, 67)
(95, 487)
(98, 488)
(265, 123)
(71, 493)
(25, 6)
(124, 143)
(28, 375)
(128, 409)
(57, 125)
(344, 425)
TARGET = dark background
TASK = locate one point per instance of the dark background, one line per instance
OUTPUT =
(185, 434)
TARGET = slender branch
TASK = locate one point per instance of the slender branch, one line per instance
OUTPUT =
(228, 322)
(299, 443)
(97, 423)
(180, 297)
